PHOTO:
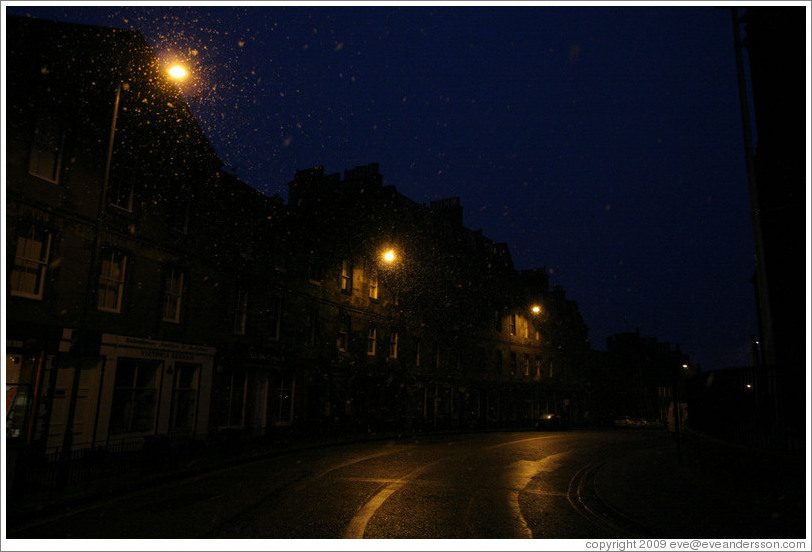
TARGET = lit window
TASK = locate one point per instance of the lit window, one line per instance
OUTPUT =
(173, 292)
(526, 326)
(30, 262)
(111, 280)
(526, 364)
(512, 324)
(46, 148)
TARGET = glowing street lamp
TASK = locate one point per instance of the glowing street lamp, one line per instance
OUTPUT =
(177, 72)
(389, 256)
(536, 309)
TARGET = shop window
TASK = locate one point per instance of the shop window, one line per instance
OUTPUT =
(173, 294)
(46, 148)
(134, 396)
(30, 262)
(282, 399)
(184, 396)
(231, 399)
(111, 280)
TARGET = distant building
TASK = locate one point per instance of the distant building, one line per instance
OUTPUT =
(640, 375)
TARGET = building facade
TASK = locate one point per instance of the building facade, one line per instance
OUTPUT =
(152, 294)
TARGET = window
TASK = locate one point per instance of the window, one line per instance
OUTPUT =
(120, 189)
(274, 317)
(30, 262)
(372, 333)
(497, 321)
(173, 292)
(498, 362)
(312, 326)
(537, 366)
(230, 399)
(526, 327)
(46, 148)
(180, 208)
(314, 270)
(393, 345)
(417, 353)
(513, 363)
(282, 399)
(512, 324)
(342, 340)
(135, 395)
(111, 280)
(526, 364)
(241, 312)
(346, 277)
(184, 396)
(373, 285)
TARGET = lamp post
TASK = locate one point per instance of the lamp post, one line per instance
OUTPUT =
(81, 341)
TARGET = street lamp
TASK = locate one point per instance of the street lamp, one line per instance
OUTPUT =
(389, 256)
(536, 309)
(177, 72)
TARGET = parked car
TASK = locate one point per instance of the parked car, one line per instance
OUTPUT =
(549, 421)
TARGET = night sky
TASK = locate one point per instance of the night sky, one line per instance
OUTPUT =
(603, 143)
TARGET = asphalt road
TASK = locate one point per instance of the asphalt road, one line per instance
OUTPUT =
(474, 486)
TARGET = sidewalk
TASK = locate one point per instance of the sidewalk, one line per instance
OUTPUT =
(714, 490)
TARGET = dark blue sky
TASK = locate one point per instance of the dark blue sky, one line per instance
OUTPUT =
(603, 143)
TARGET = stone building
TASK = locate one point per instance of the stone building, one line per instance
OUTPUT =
(152, 296)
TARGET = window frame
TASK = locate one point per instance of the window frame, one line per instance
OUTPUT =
(109, 282)
(172, 295)
(23, 264)
(41, 148)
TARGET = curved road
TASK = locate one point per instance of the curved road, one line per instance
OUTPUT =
(473, 486)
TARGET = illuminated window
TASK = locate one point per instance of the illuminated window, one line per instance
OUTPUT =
(526, 327)
(46, 148)
(241, 312)
(372, 334)
(526, 364)
(512, 324)
(111, 280)
(30, 262)
(173, 293)
(135, 396)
